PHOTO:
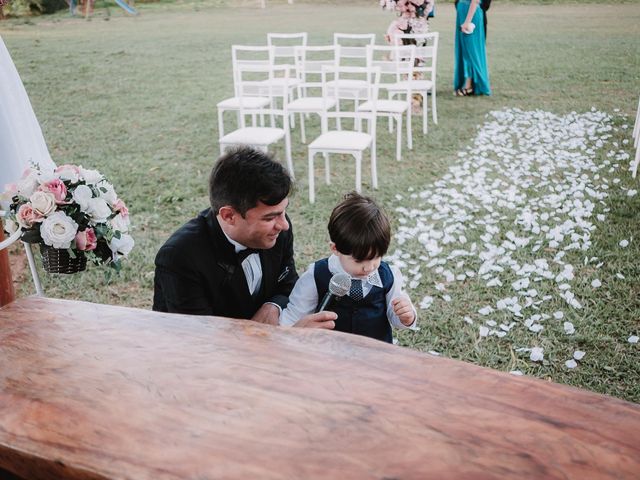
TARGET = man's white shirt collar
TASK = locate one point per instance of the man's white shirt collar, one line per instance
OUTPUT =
(336, 267)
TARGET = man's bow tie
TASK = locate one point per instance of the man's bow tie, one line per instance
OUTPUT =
(242, 254)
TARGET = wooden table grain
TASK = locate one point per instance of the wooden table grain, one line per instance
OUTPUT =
(94, 392)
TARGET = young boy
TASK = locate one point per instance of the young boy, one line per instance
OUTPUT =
(360, 234)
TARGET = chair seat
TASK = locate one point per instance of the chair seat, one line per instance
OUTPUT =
(341, 140)
(353, 87)
(311, 104)
(247, 102)
(385, 106)
(261, 136)
(414, 84)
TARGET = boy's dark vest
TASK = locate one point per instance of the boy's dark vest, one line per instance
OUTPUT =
(367, 317)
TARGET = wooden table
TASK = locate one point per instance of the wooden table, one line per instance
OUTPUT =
(101, 392)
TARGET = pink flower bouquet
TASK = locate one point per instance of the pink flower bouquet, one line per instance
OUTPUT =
(71, 208)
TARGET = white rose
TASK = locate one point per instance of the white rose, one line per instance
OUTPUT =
(106, 192)
(91, 176)
(81, 195)
(68, 172)
(58, 230)
(120, 223)
(43, 202)
(121, 247)
(28, 184)
(98, 210)
(10, 226)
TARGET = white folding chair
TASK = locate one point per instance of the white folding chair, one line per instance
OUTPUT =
(253, 99)
(353, 142)
(14, 237)
(426, 65)
(396, 65)
(309, 63)
(636, 142)
(283, 53)
(260, 137)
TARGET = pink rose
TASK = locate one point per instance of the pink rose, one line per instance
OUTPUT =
(86, 240)
(57, 188)
(121, 208)
(27, 216)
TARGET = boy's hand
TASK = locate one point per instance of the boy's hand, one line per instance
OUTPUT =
(318, 320)
(402, 308)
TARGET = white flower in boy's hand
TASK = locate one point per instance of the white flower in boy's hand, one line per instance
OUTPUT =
(58, 230)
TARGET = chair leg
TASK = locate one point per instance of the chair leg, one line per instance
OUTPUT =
(425, 112)
(358, 157)
(303, 135)
(34, 270)
(434, 111)
(287, 149)
(409, 132)
(635, 163)
(220, 123)
(399, 138)
(374, 167)
(312, 193)
(327, 169)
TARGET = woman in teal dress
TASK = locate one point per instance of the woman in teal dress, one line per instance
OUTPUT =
(470, 76)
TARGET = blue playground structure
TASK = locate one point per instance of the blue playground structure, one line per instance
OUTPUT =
(121, 3)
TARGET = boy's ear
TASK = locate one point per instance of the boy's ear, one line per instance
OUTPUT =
(332, 247)
(227, 214)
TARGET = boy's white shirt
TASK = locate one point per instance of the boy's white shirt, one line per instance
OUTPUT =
(304, 297)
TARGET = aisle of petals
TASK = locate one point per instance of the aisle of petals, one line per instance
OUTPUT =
(514, 214)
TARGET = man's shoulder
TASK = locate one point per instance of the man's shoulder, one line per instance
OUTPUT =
(191, 236)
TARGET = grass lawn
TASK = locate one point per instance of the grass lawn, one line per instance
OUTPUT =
(135, 98)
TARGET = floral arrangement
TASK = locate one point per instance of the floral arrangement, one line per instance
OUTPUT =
(412, 16)
(70, 208)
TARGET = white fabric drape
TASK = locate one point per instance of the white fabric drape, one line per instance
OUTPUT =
(21, 140)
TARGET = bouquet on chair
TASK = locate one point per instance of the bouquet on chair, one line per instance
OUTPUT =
(412, 16)
(71, 212)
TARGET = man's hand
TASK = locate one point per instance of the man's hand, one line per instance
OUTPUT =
(318, 320)
(402, 308)
(268, 313)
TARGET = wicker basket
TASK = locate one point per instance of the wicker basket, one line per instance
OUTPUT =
(56, 260)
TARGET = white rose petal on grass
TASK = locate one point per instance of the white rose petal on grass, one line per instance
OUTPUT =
(558, 315)
(624, 243)
(517, 373)
(596, 283)
(633, 339)
(446, 298)
(571, 363)
(620, 276)
(578, 355)
(484, 331)
(569, 329)
(537, 354)
(485, 310)
(631, 193)
(58, 230)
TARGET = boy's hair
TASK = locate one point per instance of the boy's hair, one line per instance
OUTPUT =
(359, 228)
(243, 176)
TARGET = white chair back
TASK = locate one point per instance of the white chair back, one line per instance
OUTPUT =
(249, 57)
(396, 62)
(426, 52)
(353, 49)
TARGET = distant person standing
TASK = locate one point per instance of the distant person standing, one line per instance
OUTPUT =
(471, 75)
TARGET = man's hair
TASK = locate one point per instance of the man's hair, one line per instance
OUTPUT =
(359, 228)
(244, 176)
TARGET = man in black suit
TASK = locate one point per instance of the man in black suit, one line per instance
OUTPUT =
(235, 259)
